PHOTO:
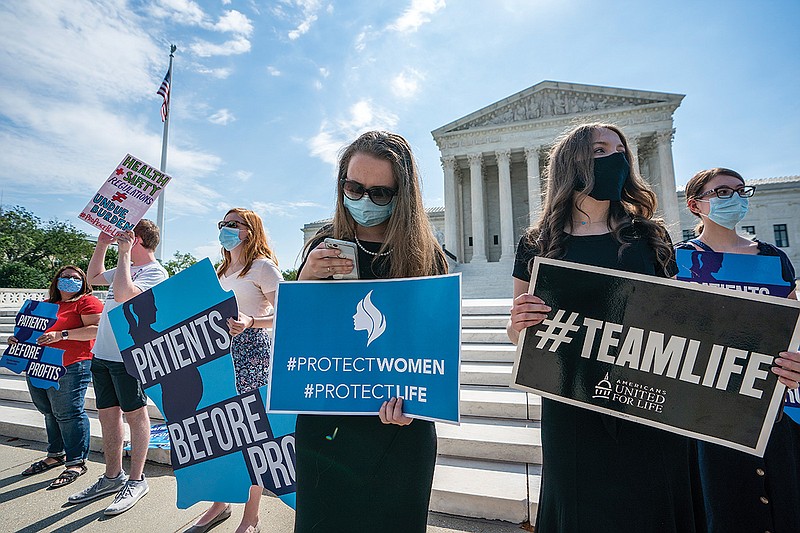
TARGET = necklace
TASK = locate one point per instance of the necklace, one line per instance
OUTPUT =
(584, 223)
(374, 254)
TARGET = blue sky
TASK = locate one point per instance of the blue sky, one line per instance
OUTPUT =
(266, 92)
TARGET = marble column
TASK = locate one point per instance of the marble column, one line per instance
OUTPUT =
(534, 183)
(451, 207)
(506, 211)
(633, 146)
(669, 197)
(478, 209)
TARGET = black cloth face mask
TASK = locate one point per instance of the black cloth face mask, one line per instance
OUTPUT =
(610, 174)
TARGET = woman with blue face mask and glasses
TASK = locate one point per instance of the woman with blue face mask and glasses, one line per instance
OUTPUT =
(742, 492)
(249, 268)
(65, 418)
(367, 473)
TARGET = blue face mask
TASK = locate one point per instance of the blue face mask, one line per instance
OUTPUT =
(69, 284)
(229, 238)
(727, 212)
(366, 213)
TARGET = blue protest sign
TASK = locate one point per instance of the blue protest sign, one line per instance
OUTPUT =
(42, 363)
(174, 339)
(792, 405)
(345, 347)
(758, 274)
(159, 438)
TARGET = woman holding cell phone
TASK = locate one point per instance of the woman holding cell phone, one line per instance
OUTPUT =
(743, 492)
(362, 473)
(250, 269)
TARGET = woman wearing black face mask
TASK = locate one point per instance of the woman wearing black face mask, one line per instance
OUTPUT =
(602, 473)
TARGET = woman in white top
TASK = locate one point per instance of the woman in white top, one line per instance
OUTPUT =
(250, 269)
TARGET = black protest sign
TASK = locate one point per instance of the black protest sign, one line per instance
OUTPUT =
(682, 357)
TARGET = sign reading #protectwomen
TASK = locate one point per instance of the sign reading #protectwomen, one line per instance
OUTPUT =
(345, 347)
(682, 357)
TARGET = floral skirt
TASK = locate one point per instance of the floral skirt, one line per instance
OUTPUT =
(251, 352)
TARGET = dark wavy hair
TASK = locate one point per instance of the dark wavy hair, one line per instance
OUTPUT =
(570, 169)
(54, 295)
(415, 250)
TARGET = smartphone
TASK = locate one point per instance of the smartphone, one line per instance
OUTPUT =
(348, 250)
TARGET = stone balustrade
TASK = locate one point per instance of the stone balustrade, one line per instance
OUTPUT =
(13, 298)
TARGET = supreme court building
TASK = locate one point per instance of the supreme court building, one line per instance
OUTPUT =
(493, 160)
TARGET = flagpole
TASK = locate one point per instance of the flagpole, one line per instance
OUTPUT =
(160, 217)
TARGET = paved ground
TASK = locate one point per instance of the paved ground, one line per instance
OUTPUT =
(26, 506)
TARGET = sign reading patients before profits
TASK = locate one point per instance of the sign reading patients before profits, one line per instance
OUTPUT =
(125, 197)
(366, 342)
(174, 339)
(758, 274)
(659, 352)
(42, 363)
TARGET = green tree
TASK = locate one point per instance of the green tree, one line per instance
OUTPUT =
(290, 275)
(179, 262)
(31, 251)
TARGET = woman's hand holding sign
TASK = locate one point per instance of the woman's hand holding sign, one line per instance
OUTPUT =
(392, 413)
(788, 369)
(323, 262)
(528, 310)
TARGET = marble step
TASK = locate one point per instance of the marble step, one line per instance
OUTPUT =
(484, 489)
(22, 420)
(497, 402)
(484, 336)
(493, 373)
(514, 441)
(486, 306)
(484, 321)
(488, 352)
(13, 387)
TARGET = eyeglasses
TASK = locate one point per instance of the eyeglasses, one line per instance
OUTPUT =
(74, 276)
(235, 224)
(727, 192)
(379, 195)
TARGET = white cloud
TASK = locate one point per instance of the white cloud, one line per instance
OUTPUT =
(222, 117)
(210, 250)
(363, 116)
(324, 72)
(237, 45)
(219, 73)
(243, 175)
(406, 83)
(318, 85)
(417, 14)
(273, 71)
(179, 11)
(362, 38)
(234, 22)
(309, 9)
(281, 209)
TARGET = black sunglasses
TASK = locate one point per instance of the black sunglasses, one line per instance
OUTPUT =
(235, 224)
(379, 195)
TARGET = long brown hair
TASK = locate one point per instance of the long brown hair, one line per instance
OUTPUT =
(695, 186)
(256, 245)
(414, 249)
(54, 295)
(570, 169)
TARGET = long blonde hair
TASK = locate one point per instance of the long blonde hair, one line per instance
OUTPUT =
(256, 245)
(414, 249)
(570, 169)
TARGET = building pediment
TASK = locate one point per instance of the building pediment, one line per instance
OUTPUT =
(548, 100)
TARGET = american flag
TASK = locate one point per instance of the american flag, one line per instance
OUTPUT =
(164, 91)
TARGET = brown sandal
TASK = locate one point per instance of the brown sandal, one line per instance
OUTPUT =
(41, 466)
(68, 476)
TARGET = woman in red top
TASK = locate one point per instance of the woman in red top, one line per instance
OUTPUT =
(64, 416)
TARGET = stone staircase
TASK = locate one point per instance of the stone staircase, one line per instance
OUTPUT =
(488, 467)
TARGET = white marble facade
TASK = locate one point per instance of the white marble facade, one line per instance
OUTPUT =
(493, 161)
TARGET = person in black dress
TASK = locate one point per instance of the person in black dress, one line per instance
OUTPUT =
(367, 473)
(601, 473)
(743, 492)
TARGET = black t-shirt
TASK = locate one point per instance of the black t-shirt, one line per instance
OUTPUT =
(603, 251)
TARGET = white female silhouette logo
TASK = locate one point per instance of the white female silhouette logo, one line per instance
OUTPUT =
(369, 318)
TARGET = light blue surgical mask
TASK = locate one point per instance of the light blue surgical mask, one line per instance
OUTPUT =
(727, 212)
(229, 238)
(367, 213)
(69, 284)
